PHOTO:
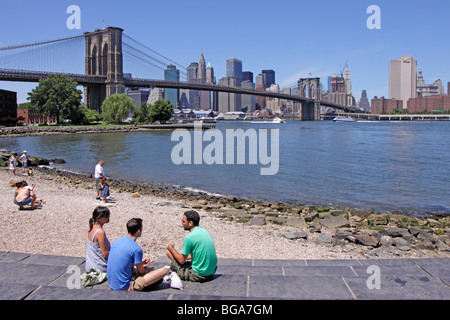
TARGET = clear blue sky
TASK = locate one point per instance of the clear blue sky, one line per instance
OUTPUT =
(292, 37)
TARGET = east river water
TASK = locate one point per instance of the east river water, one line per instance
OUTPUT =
(383, 166)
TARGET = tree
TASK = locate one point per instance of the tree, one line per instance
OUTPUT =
(141, 114)
(162, 110)
(90, 115)
(117, 107)
(57, 96)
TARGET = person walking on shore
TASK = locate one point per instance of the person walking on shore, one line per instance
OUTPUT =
(13, 163)
(99, 174)
(197, 246)
(126, 255)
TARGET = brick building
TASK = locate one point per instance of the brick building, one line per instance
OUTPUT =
(380, 105)
(429, 104)
(8, 107)
(31, 117)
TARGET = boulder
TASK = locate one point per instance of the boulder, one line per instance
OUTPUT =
(366, 240)
(335, 222)
(296, 222)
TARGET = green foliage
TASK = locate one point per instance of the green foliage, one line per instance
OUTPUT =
(90, 115)
(117, 107)
(57, 96)
(162, 110)
(141, 114)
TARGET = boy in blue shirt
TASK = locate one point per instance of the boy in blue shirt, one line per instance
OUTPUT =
(125, 254)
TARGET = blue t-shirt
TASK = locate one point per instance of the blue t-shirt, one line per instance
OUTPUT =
(124, 254)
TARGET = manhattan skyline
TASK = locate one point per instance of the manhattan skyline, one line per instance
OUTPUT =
(296, 39)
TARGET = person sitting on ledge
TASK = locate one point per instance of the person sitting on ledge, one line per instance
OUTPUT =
(197, 246)
(125, 256)
(25, 195)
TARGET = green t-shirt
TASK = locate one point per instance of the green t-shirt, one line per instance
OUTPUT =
(199, 244)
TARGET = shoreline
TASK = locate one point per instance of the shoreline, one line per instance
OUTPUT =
(241, 228)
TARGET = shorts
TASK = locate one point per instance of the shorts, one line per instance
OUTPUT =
(98, 186)
(137, 285)
(186, 273)
(25, 202)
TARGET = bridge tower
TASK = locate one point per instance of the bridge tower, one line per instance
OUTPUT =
(309, 88)
(104, 58)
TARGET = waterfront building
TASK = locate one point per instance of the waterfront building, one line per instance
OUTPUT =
(8, 107)
(433, 103)
(383, 105)
(172, 74)
(228, 102)
(402, 79)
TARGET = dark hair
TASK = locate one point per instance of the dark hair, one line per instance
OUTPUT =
(134, 225)
(99, 212)
(22, 183)
(193, 216)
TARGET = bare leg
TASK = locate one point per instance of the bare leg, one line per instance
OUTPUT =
(155, 275)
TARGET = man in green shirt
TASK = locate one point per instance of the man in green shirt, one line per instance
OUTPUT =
(198, 247)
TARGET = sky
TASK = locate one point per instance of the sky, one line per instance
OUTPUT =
(295, 38)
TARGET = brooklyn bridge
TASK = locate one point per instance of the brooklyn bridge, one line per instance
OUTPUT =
(103, 62)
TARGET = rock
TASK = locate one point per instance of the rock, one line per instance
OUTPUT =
(441, 246)
(335, 222)
(296, 235)
(135, 195)
(386, 241)
(296, 222)
(324, 238)
(402, 244)
(311, 216)
(337, 212)
(395, 232)
(414, 230)
(258, 220)
(367, 240)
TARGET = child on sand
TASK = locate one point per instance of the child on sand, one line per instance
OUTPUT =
(105, 189)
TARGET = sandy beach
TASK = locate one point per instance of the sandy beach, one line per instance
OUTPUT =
(59, 227)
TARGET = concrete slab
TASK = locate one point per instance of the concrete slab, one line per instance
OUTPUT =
(400, 287)
(15, 291)
(12, 256)
(17, 273)
(320, 271)
(298, 287)
(50, 260)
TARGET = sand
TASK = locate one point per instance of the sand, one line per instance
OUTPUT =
(60, 226)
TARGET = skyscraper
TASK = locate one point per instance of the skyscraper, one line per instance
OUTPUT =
(270, 77)
(171, 73)
(402, 79)
(234, 69)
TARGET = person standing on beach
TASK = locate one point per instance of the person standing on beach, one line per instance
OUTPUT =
(13, 163)
(98, 245)
(24, 161)
(126, 255)
(197, 246)
(99, 174)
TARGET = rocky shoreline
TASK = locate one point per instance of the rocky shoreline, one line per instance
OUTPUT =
(40, 130)
(368, 232)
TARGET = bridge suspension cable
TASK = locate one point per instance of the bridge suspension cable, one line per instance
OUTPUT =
(38, 43)
(183, 68)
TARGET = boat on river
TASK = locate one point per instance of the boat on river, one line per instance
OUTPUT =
(344, 119)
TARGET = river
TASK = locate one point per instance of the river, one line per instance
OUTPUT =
(383, 166)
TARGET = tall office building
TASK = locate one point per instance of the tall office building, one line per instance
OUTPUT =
(211, 79)
(269, 76)
(171, 73)
(234, 69)
(193, 96)
(364, 101)
(402, 79)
